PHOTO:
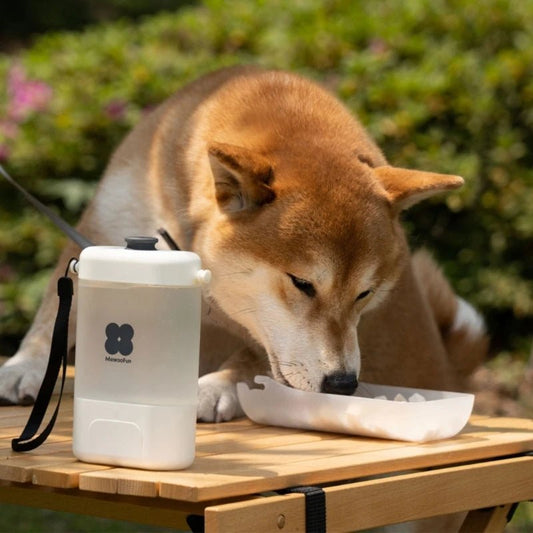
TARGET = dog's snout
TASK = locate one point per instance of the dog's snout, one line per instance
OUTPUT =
(340, 383)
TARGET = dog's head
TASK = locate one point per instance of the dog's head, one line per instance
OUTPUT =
(301, 248)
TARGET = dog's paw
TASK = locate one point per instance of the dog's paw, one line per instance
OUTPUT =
(20, 380)
(217, 398)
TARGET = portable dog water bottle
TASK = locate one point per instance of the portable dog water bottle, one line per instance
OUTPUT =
(137, 355)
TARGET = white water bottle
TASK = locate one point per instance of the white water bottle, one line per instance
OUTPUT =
(137, 355)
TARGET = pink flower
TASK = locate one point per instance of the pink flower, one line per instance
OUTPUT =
(25, 96)
(116, 109)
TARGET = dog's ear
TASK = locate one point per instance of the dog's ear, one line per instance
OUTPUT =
(242, 178)
(405, 187)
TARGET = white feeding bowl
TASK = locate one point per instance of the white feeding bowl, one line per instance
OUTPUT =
(415, 415)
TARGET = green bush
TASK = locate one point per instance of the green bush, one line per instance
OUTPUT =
(442, 85)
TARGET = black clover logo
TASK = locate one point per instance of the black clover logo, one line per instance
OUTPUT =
(119, 339)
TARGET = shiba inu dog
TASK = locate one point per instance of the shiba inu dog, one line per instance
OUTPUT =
(295, 210)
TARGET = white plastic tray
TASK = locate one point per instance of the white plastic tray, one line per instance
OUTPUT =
(440, 416)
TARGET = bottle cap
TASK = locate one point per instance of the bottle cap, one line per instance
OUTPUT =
(141, 263)
(141, 243)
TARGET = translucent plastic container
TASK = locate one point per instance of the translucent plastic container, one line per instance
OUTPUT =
(137, 355)
(400, 413)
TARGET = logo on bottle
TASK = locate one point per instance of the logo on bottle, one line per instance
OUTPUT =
(119, 340)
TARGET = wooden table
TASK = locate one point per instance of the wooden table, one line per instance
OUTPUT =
(241, 466)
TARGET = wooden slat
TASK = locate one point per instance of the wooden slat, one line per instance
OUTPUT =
(255, 439)
(151, 511)
(430, 493)
(272, 513)
(62, 431)
(487, 520)
(57, 451)
(377, 502)
(20, 468)
(64, 475)
(124, 481)
(13, 420)
(190, 486)
(55, 444)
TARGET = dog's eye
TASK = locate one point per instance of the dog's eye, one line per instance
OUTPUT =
(363, 295)
(302, 285)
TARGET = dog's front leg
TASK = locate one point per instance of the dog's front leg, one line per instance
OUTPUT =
(217, 391)
(22, 374)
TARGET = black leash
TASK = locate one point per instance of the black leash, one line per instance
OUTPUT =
(58, 358)
(68, 230)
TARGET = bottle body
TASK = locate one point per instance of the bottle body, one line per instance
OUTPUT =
(136, 381)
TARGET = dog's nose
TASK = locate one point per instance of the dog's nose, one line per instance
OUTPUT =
(340, 383)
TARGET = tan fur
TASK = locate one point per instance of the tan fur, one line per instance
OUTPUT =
(272, 181)
(465, 350)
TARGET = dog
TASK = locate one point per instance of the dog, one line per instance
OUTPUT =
(287, 200)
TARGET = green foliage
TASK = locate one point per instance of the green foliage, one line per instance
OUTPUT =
(442, 85)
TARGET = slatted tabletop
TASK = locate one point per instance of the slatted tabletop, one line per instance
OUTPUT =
(242, 458)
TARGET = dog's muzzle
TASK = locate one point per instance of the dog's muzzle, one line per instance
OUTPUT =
(339, 383)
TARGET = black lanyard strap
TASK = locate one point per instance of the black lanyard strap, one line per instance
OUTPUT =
(58, 357)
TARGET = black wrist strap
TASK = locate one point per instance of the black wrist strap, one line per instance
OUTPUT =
(58, 357)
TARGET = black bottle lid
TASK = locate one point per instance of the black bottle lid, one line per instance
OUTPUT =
(141, 243)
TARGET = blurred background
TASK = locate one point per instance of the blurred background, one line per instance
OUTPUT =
(442, 85)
